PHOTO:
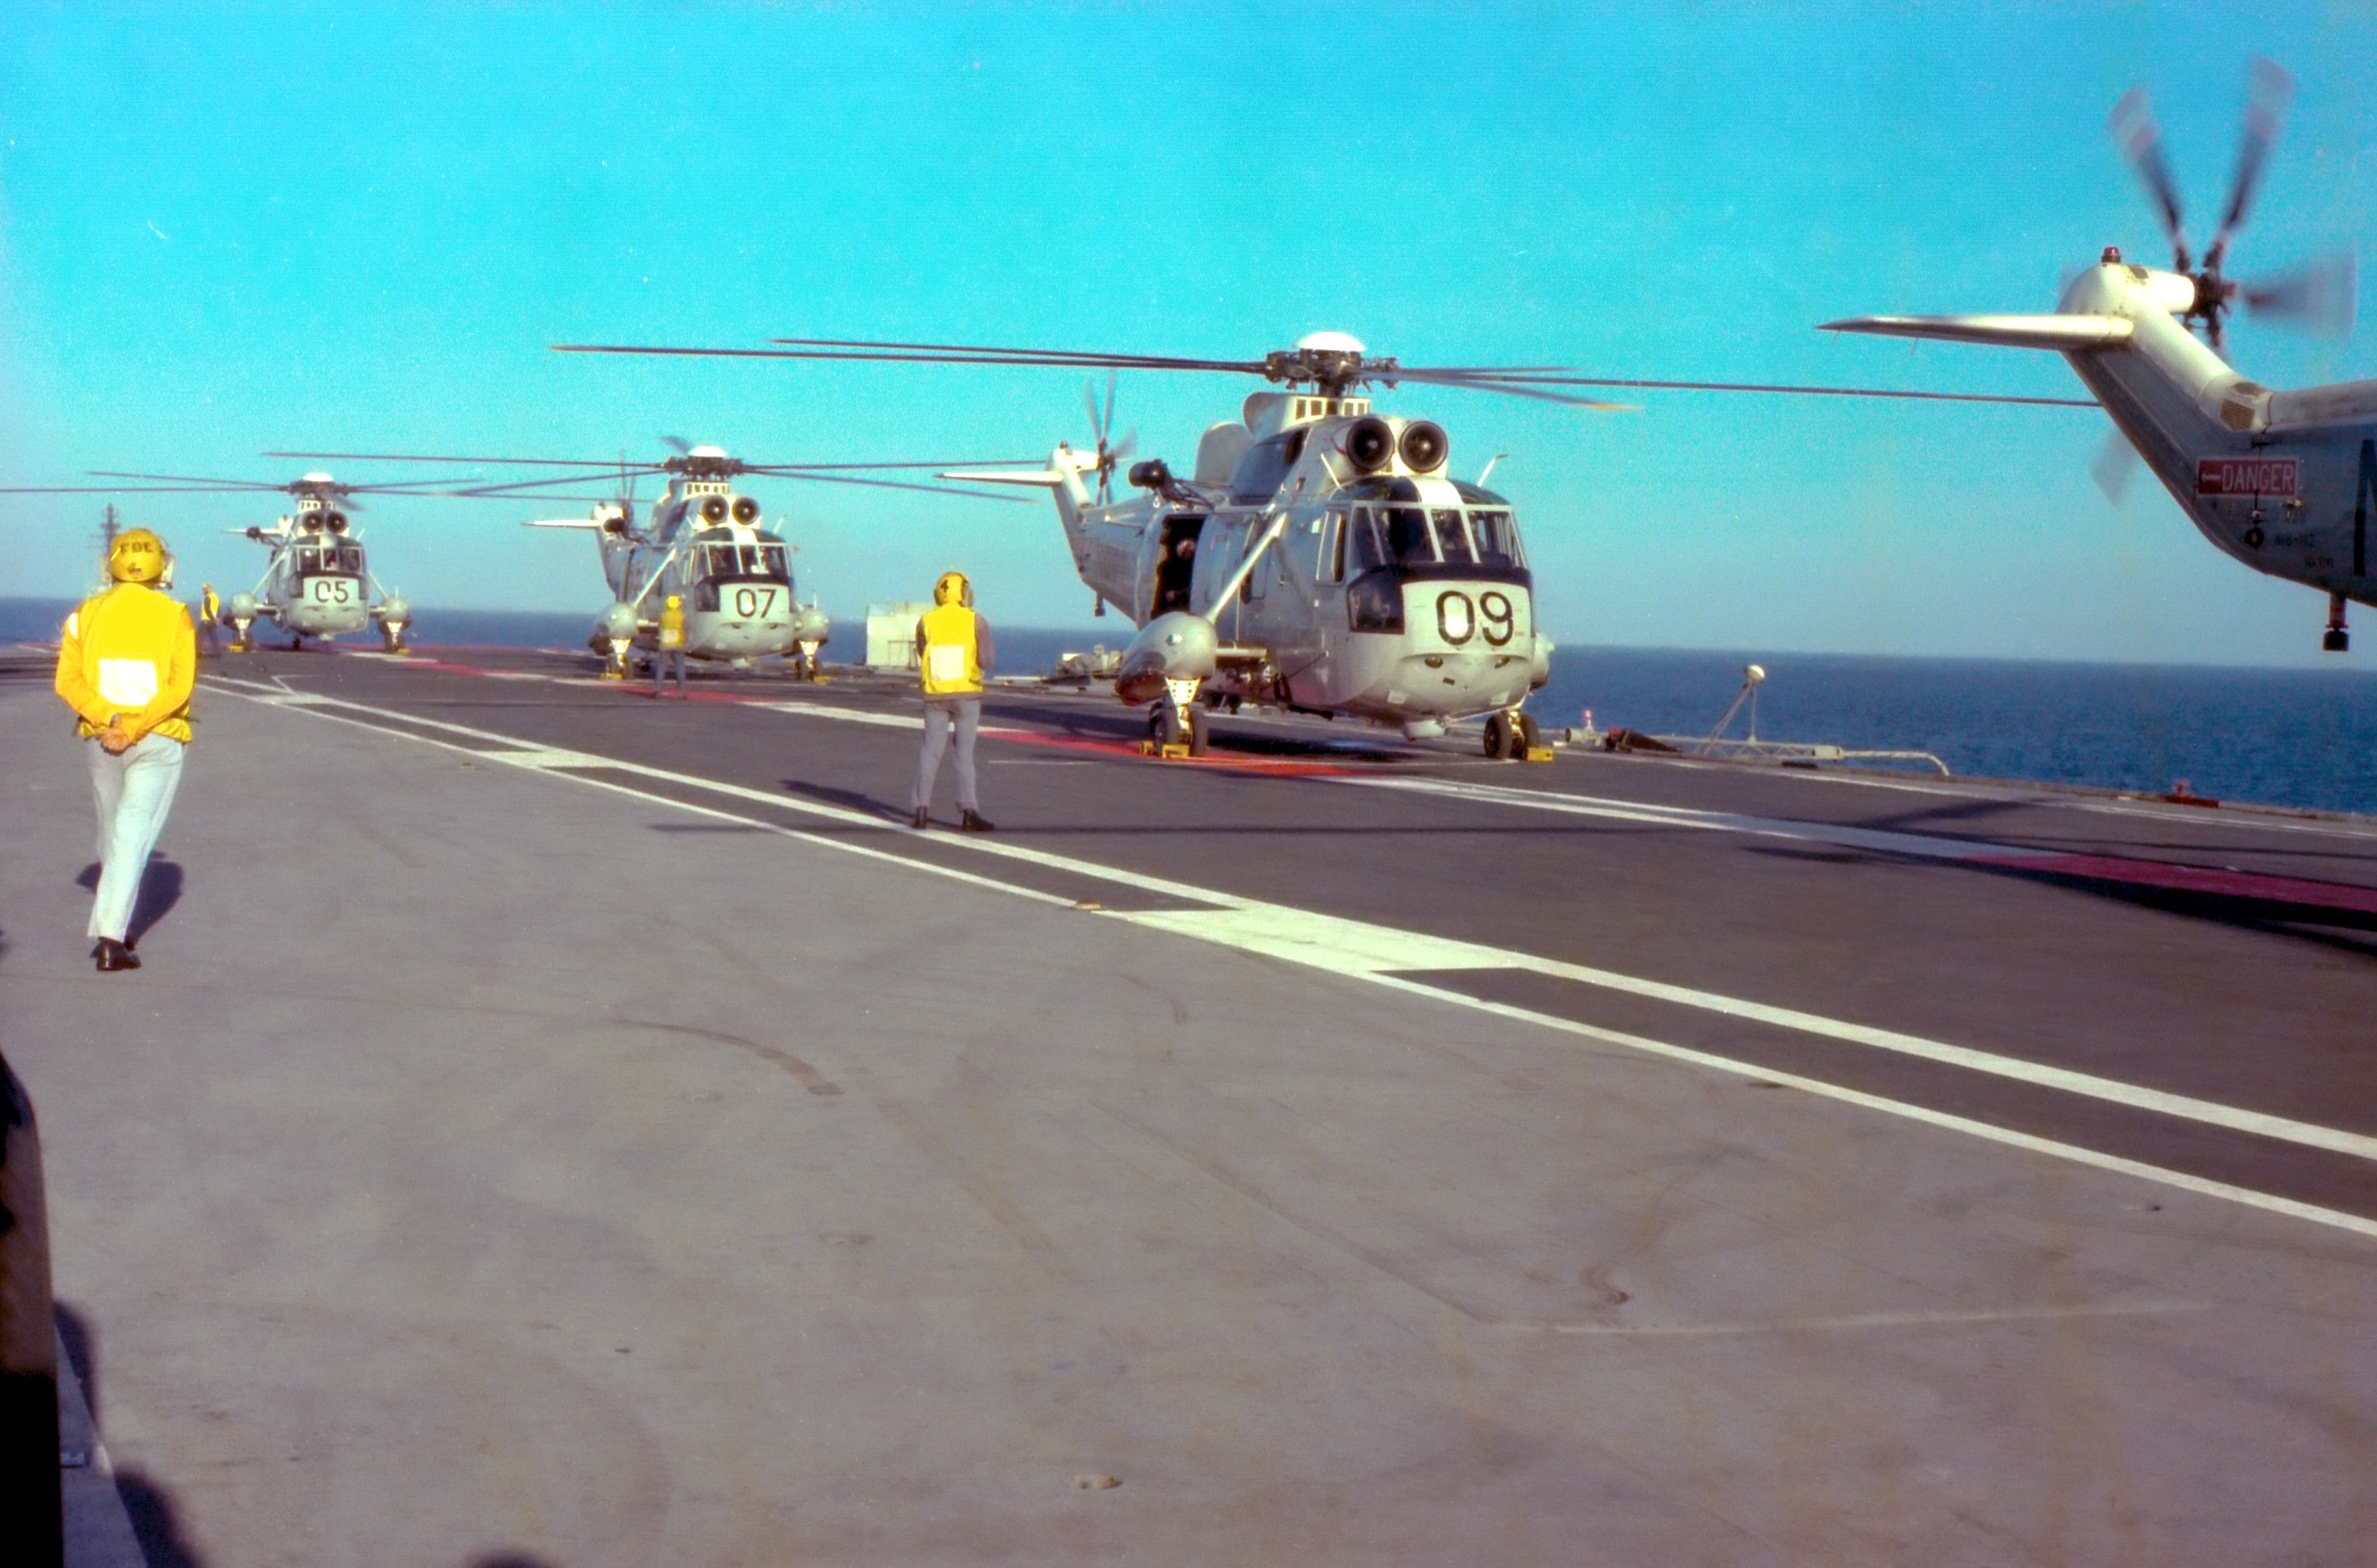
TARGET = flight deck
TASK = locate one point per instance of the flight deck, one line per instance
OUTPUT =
(557, 1122)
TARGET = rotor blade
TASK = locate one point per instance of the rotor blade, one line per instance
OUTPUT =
(678, 445)
(2271, 88)
(424, 457)
(899, 484)
(1123, 448)
(1089, 357)
(1105, 425)
(1245, 367)
(191, 478)
(1089, 401)
(2132, 125)
(126, 489)
(513, 487)
(845, 467)
(1771, 387)
(2115, 465)
(2323, 296)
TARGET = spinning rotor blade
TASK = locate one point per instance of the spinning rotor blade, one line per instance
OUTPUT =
(2132, 125)
(1508, 388)
(902, 484)
(2114, 466)
(2322, 296)
(678, 445)
(900, 353)
(2272, 89)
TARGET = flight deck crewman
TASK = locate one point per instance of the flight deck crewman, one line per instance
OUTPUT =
(672, 645)
(954, 649)
(210, 621)
(127, 658)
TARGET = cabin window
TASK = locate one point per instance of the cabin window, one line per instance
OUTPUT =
(1367, 550)
(1497, 536)
(1329, 552)
(1451, 537)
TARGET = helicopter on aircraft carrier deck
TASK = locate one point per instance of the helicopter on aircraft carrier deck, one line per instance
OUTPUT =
(1320, 556)
(316, 583)
(703, 541)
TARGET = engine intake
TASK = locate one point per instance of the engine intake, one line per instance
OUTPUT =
(1425, 446)
(1370, 443)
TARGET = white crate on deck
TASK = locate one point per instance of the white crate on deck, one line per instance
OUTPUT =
(892, 635)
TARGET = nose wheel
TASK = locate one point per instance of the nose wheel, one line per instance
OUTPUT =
(1171, 723)
(2336, 640)
(1511, 736)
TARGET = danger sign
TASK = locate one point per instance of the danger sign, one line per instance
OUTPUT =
(2248, 475)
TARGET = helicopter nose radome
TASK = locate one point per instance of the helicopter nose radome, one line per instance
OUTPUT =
(1173, 646)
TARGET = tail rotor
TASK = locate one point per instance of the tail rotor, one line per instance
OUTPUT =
(1110, 455)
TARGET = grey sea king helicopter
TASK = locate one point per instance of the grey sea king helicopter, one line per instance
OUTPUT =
(1320, 555)
(316, 583)
(2284, 481)
(703, 540)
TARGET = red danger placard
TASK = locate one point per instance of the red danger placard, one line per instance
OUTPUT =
(2248, 475)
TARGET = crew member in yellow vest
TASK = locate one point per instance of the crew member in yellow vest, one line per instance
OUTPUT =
(210, 621)
(127, 658)
(671, 654)
(954, 649)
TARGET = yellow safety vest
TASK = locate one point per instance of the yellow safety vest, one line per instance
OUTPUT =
(672, 627)
(952, 662)
(129, 650)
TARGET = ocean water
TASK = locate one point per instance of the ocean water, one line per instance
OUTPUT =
(2274, 737)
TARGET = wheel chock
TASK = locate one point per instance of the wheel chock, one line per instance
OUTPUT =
(1537, 753)
(1177, 752)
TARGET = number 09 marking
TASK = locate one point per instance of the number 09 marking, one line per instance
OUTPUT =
(1457, 619)
(1501, 620)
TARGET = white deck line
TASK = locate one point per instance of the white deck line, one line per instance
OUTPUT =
(1377, 953)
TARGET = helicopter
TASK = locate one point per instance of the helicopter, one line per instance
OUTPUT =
(2283, 482)
(1319, 556)
(703, 540)
(316, 583)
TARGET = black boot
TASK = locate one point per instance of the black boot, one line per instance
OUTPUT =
(922, 819)
(973, 822)
(113, 955)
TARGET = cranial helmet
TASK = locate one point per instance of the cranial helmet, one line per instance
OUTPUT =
(674, 602)
(137, 556)
(953, 588)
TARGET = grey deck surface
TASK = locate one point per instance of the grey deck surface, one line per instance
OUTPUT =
(495, 1157)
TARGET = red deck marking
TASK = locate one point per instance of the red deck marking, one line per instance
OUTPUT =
(2194, 879)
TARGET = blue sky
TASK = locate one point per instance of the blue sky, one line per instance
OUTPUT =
(230, 228)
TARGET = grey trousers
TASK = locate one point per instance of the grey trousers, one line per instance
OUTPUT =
(941, 716)
(134, 790)
(660, 662)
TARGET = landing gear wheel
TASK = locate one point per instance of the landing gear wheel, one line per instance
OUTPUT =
(1197, 731)
(1498, 736)
(1531, 735)
(1164, 724)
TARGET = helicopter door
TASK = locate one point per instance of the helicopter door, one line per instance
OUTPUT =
(1176, 564)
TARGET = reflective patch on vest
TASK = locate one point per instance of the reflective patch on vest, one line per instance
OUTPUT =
(127, 682)
(946, 664)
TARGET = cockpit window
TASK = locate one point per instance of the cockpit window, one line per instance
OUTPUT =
(1497, 537)
(330, 558)
(1451, 538)
(1407, 534)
